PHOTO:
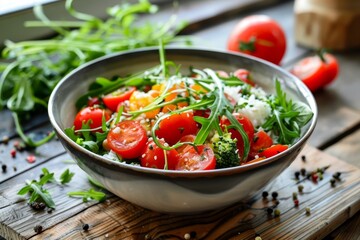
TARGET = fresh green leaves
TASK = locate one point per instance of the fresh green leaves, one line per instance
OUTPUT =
(36, 67)
(288, 117)
(91, 194)
(66, 176)
(36, 188)
(38, 193)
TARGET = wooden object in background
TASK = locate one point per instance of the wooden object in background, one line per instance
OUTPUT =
(331, 24)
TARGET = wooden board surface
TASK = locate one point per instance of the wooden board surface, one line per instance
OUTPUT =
(116, 218)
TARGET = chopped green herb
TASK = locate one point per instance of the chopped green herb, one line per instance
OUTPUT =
(66, 176)
(89, 195)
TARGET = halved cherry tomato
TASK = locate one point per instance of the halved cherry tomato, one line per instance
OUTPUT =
(154, 157)
(244, 75)
(201, 158)
(186, 138)
(260, 36)
(112, 100)
(176, 126)
(273, 150)
(260, 141)
(315, 72)
(248, 128)
(93, 114)
(128, 139)
(139, 100)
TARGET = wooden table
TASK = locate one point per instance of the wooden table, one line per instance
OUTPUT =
(335, 142)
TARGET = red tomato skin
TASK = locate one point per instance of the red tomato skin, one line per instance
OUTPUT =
(248, 128)
(186, 138)
(244, 75)
(191, 159)
(332, 67)
(112, 100)
(312, 71)
(128, 139)
(90, 113)
(153, 157)
(273, 150)
(269, 37)
(315, 73)
(176, 126)
(260, 141)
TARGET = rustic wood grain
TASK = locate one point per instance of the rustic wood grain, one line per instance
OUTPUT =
(348, 148)
(116, 218)
(17, 219)
(18, 164)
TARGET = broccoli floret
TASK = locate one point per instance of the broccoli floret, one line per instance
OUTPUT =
(225, 149)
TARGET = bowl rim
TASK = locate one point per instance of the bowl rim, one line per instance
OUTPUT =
(175, 173)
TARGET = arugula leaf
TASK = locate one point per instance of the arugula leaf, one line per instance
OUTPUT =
(46, 177)
(36, 188)
(288, 117)
(91, 194)
(66, 176)
(38, 193)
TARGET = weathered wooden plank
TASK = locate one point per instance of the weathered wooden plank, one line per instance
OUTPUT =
(7, 126)
(18, 164)
(330, 207)
(17, 219)
(334, 121)
(347, 149)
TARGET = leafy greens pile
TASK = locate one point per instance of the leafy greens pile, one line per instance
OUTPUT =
(37, 66)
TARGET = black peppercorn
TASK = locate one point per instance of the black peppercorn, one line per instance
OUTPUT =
(297, 175)
(303, 158)
(274, 195)
(265, 194)
(303, 171)
(37, 205)
(4, 167)
(85, 227)
(269, 210)
(332, 182)
(337, 175)
(38, 228)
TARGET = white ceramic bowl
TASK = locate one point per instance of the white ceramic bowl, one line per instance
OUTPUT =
(176, 191)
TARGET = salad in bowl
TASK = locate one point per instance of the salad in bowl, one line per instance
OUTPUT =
(196, 130)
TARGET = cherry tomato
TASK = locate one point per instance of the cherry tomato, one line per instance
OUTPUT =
(186, 138)
(176, 126)
(248, 128)
(139, 100)
(273, 150)
(93, 114)
(128, 139)
(260, 141)
(154, 157)
(112, 100)
(315, 72)
(201, 158)
(260, 36)
(244, 75)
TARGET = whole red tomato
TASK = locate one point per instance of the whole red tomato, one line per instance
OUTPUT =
(259, 36)
(316, 71)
